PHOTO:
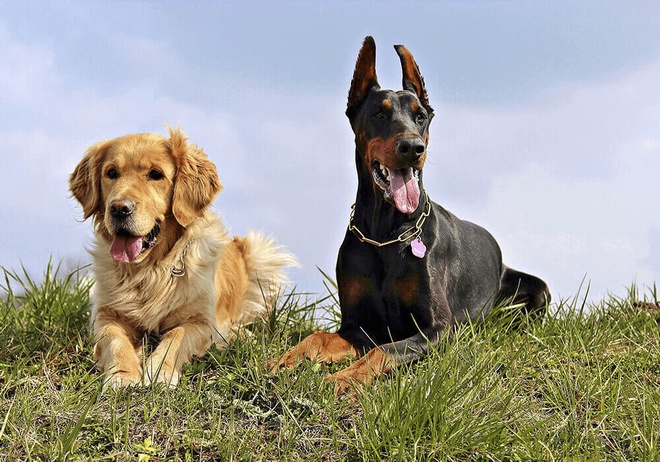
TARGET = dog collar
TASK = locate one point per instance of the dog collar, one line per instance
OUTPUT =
(413, 232)
(180, 272)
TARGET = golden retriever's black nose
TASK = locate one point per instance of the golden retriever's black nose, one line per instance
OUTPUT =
(410, 148)
(121, 208)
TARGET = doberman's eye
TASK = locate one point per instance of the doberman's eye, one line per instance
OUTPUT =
(380, 115)
(112, 174)
(420, 119)
(156, 175)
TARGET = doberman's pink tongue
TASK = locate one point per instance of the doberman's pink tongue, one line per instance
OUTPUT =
(125, 248)
(405, 190)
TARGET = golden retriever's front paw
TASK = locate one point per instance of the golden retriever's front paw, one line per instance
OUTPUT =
(161, 373)
(120, 380)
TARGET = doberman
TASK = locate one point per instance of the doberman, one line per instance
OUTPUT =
(407, 269)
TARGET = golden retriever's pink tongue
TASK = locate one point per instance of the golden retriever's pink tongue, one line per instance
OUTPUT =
(405, 190)
(125, 248)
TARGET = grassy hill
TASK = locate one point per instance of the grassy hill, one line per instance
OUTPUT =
(582, 385)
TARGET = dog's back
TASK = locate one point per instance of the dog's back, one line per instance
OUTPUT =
(479, 278)
(471, 255)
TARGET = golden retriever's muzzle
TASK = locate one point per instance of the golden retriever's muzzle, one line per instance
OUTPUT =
(122, 209)
(127, 243)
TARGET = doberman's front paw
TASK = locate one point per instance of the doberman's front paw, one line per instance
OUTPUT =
(347, 382)
(319, 346)
(362, 372)
(289, 360)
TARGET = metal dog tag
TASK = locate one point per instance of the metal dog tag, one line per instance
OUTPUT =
(418, 248)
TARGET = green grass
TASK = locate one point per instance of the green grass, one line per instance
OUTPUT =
(582, 385)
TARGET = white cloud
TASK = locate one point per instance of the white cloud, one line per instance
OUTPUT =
(568, 184)
(25, 71)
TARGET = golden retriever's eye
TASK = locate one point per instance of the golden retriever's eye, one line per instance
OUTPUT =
(112, 174)
(155, 175)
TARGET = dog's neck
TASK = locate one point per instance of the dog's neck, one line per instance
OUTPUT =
(374, 216)
(171, 233)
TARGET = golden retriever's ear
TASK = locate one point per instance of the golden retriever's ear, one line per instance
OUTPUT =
(85, 181)
(196, 183)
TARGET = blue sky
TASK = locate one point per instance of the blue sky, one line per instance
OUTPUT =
(547, 129)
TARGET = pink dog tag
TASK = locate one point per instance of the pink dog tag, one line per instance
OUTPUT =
(418, 248)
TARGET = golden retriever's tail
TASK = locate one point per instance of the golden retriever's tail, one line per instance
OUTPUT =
(265, 262)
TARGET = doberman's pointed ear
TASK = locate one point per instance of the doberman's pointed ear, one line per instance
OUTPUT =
(196, 183)
(412, 78)
(85, 181)
(364, 77)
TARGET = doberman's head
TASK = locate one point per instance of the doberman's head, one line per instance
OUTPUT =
(391, 128)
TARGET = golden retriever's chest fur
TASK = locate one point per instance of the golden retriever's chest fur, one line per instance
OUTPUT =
(147, 293)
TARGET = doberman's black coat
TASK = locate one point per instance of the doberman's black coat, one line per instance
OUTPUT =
(396, 296)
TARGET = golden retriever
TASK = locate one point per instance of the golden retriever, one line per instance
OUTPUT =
(163, 262)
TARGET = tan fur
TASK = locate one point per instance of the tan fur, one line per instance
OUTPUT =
(227, 282)
(362, 372)
(320, 346)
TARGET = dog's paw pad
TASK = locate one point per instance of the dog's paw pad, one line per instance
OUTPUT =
(122, 380)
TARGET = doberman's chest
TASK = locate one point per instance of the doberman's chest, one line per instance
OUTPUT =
(387, 291)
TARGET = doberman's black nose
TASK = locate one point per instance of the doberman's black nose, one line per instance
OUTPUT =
(121, 208)
(410, 148)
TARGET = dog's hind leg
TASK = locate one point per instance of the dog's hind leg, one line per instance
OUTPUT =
(519, 287)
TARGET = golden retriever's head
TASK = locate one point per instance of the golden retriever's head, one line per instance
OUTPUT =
(144, 189)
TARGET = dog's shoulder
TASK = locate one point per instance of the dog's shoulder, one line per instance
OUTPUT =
(205, 240)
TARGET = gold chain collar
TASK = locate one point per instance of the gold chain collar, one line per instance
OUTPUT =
(412, 232)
